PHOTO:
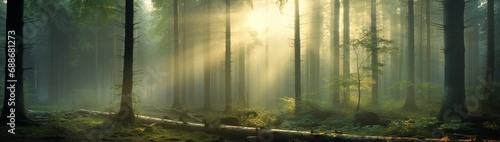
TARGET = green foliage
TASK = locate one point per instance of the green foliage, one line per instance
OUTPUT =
(456, 125)
(493, 125)
(288, 104)
(411, 127)
(320, 110)
(341, 80)
(381, 45)
(349, 82)
(71, 126)
(424, 89)
(364, 41)
(265, 117)
(86, 10)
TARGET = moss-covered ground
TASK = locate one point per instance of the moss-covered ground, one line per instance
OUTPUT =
(70, 126)
(63, 124)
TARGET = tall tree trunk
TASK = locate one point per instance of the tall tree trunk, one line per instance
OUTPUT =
(190, 53)
(428, 44)
(346, 63)
(206, 64)
(183, 50)
(298, 99)
(374, 52)
(53, 94)
(421, 45)
(490, 58)
(266, 62)
(97, 77)
(13, 110)
(176, 101)
(315, 42)
(410, 95)
(395, 58)
(228, 57)
(126, 113)
(241, 72)
(453, 105)
(402, 43)
(335, 48)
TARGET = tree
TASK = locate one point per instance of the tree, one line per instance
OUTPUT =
(241, 74)
(410, 95)
(395, 58)
(126, 113)
(346, 64)
(183, 51)
(13, 110)
(207, 50)
(176, 101)
(228, 57)
(313, 48)
(296, 44)
(365, 42)
(335, 48)
(490, 57)
(453, 105)
(296, 47)
(374, 52)
(428, 42)
(402, 42)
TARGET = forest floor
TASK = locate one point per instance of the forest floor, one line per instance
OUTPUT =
(71, 126)
(63, 124)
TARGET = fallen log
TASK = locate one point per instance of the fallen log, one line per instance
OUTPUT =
(186, 113)
(242, 132)
(180, 112)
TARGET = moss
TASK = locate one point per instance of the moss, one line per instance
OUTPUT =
(67, 126)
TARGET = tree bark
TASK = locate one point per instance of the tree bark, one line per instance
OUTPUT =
(428, 44)
(314, 49)
(395, 58)
(126, 113)
(13, 110)
(346, 60)
(453, 105)
(228, 57)
(206, 64)
(486, 106)
(176, 101)
(374, 52)
(298, 96)
(183, 52)
(410, 95)
(335, 49)
(403, 29)
(241, 72)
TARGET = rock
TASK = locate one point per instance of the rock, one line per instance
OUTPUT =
(230, 120)
(367, 118)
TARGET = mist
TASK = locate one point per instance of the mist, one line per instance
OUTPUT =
(404, 68)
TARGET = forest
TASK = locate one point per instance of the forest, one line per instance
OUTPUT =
(250, 70)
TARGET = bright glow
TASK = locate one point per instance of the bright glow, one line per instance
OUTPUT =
(257, 17)
(255, 21)
(290, 7)
(148, 5)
